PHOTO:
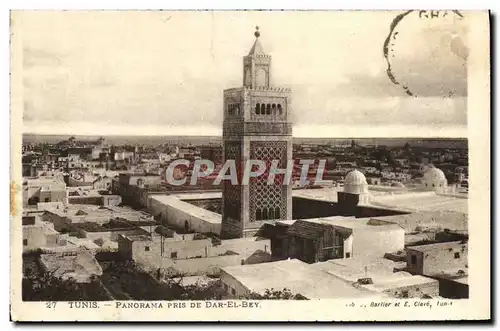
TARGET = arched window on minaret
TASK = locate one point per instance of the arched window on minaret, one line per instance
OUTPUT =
(263, 109)
(257, 109)
(271, 213)
(264, 214)
(280, 111)
(273, 107)
(268, 110)
(258, 214)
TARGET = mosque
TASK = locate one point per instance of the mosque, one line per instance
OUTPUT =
(356, 188)
(257, 125)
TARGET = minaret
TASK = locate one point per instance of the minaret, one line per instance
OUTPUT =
(257, 125)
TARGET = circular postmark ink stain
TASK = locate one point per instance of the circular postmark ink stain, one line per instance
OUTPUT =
(426, 53)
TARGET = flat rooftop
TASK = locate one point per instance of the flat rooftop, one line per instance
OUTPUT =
(437, 246)
(246, 246)
(45, 184)
(329, 193)
(94, 210)
(42, 180)
(192, 210)
(297, 276)
(422, 201)
(396, 281)
(48, 228)
(350, 222)
(445, 219)
(198, 195)
(380, 270)
(325, 194)
(78, 192)
(352, 269)
(81, 242)
(79, 265)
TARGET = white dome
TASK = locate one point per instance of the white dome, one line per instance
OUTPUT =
(355, 183)
(434, 177)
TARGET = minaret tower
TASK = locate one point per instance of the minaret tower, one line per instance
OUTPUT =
(257, 125)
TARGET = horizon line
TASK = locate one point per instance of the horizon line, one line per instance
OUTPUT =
(220, 136)
(299, 130)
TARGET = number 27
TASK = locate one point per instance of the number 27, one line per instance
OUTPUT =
(50, 304)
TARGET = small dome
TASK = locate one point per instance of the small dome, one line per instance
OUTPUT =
(355, 183)
(434, 177)
(355, 177)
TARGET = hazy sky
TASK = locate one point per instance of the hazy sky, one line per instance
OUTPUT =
(164, 72)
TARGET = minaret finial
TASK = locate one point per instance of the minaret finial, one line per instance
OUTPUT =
(257, 33)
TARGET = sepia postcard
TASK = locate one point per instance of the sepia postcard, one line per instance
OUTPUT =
(250, 165)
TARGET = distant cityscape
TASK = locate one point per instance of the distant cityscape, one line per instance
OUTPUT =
(145, 140)
(100, 219)
(386, 161)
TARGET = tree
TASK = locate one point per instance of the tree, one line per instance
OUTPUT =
(48, 287)
(128, 282)
(272, 294)
(211, 290)
(390, 159)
